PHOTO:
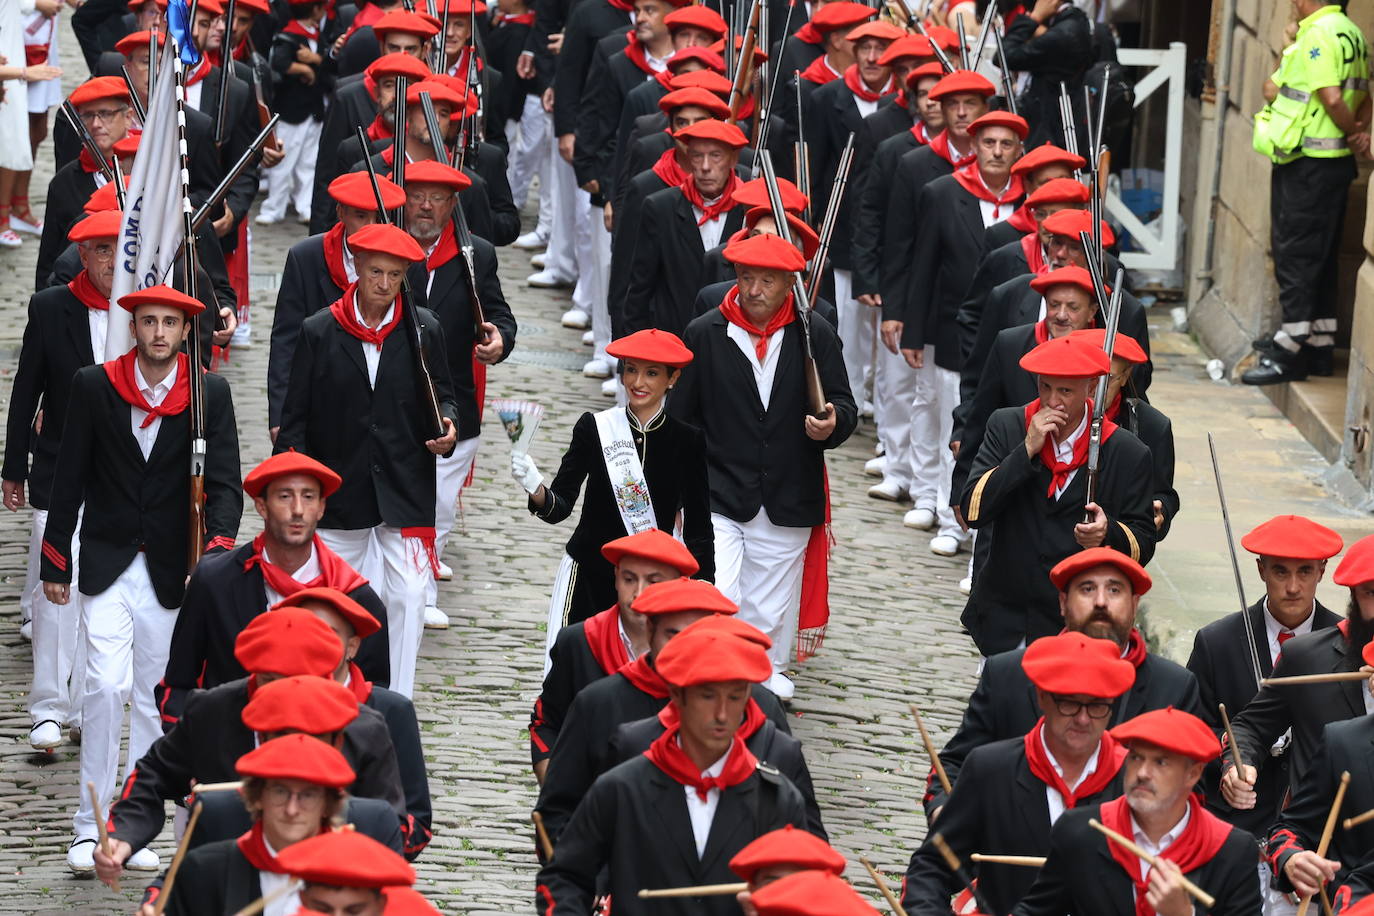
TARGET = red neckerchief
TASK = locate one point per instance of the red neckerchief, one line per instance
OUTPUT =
(1021, 220)
(379, 130)
(366, 16)
(294, 27)
(860, 89)
(730, 308)
(334, 572)
(603, 638)
(343, 314)
(120, 372)
(669, 171)
(665, 79)
(254, 849)
(503, 19)
(1035, 255)
(940, 143)
(921, 133)
(460, 66)
(643, 676)
(900, 99)
(1059, 473)
(809, 34)
(1110, 756)
(1042, 330)
(972, 181)
(88, 163)
(1200, 841)
(361, 686)
(83, 289)
(1136, 653)
(202, 70)
(666, 754)
(753, 719)
(445, 250)
(638, 53)
(242, 50)
(819, 72)
(717, 209)
(334, 255)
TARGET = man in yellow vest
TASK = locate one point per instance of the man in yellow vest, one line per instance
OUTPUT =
(1316, 120)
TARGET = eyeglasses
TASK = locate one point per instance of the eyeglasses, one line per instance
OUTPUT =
(1097, 709)
(280, 796)
(102, 252)
(103, 114)
(434, 200)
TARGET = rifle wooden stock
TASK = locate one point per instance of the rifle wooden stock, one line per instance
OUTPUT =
(957, 869)
(1330, 677)
(744, 70)
(930, 751)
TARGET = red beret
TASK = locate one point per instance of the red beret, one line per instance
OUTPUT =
(710, 80)
(770, 252)
(161, 294)
(257, 7)
(101, 225)
(1059, 191)
(439, 94)
(1076, 563)
(432, 171)
(1292, 536)
(406, 901)
(130, 44)
(705, 56)
(1047, 154)
(932, 69)
(651, 346)
(103, 198)
(460, 6)
(1173, 730)
(284, 464)
(698, 16)
(1074, 663)
(676, 595)
(1072, 222)
(800, 230)
(726, 625)
(1065, 276)
(345, 858)
(382, 238)
(127, 146)
(214, 7)
(760, 55)
(354, 189)
(302, 703)
(810, 893)
(841, 14)
(1357, 566)
(298, 756)
(1123, 347)
(358, 617)
(906, 46)
(654, 544)
(788, 846)
(401, 21)
(706, 657)
(1014, 123)
(701, 98)
(877, 28)
(288, 643)
(715, 131)
(99, 88)
(945, 37)
(963, 81)
(398, 63)
(754, 193)
(1065, 357)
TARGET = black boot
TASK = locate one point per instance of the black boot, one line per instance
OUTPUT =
(1322, 361)
(1278, 366)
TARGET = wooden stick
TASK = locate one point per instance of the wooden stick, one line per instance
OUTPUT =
(100, 826)
(1206, 899)
(1330, 677)
(700, 890)
(1231, 739)
(1329, 829)
(930, 751)
(257, 906)
(544, 842)
(1358, 819)
(882, 887)
(1326, 903)
(172, 869)
(217, 786)
(1028, 861)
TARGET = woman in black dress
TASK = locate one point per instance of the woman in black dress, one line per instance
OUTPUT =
(642, 469)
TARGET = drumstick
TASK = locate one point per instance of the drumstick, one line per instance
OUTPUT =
(1028, 861)
(1329, 829)
(930, 751)
(172, 869)
(257, 906)
(1206, 899)
(1330, 677)
(882, 887)
(1231, 739)
(1358, 819)
(216, 786)
(700, 890)
(100, 826)
(544, 842)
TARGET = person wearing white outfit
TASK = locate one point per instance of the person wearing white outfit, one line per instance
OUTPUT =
(28, 57)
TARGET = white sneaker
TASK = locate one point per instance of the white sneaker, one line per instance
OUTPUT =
(262, 219)
(23, 225)
(81, 855)
(45, 735)
(26, 630)
(867, 410)
(920, 518)
(143, 860)
(576, 319)
(531, 241)
(875, 467)
(596, 368)
(781, 685)
(879, 449)
(608, 387)
(945, 545)
(889, 490)
(588, 338)
(538, 261)
(435, 619)
(547, 279)
(445, 572)
(966, 585)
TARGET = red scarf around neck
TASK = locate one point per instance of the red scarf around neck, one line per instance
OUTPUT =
(82, 288)
(603, 638)
(1136, 653)
(254, 849)
(625, 6)
(379, 129)
(900, 99)
(502, 19)
(88, 163)
(643, 676)
(334, 255)
(730, 308)
(666, 754)
(445, 249)
(639, 54)
(121, 375)
(1021, 220)
(971, 180)
(753, 719)
(665, 79)
(1059, 473)
(940, 143)
(360, 686)
(1200, 841)
(820, 72)
(809, 34)
(856, 85)
(669, 170)
(921, 133)
(1110, 756)
(717, 209)
(1035, 255)
(344, 314)
(301, 30)
(202, 70)
(334, 572)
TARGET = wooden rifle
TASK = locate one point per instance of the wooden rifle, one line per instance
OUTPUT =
(414, 329)
(832, 215)
(761, 93)
(1235, 566)
(1068, 127)
(1113, 318)
(744, 70)
(195, 546)
(1008, 86)
(398, 149)
(266, 119)
(226, 66)
(815, 391)
(462, 233)
(133, 95)
(940, 54)
(801, 155)
(106, 167)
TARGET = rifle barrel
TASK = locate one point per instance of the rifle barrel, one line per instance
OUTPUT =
(226, 65)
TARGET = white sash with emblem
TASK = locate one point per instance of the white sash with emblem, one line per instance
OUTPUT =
(623, 468)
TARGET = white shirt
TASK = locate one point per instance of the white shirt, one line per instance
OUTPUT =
(712, 229)
(1063, 452)
(154, 395)
(763, 371)
(372, 352)
(703, 812)
(624, 638)
(1273, 628)
(269, 882)
(193, 95)
(350, 269)
(310, 569)
(992, 211)
(1164, 843)
(656, 64)
(865, 107)
(98, 323)
(1052, 794)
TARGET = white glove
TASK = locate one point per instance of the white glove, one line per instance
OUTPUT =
(525, 473)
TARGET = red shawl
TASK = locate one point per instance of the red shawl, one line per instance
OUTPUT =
(1035, 255)
(506, 19)
(297, 28)
(642, 674)
(121, 375)
(730, 308)
(379, 129)
(88, 163)
(603, 638)
(717, 209)
(1110, 755)
(334, 572)
(1136, 653)
(669, 171)
(808, 33)
(666, 754)
(1200, 841)
(82, 288)
(971, 180)
(1060, 472)
(201, 72)
(343, 312)
(625, 6)
(855, 83)
(665, 79)
(334, 255)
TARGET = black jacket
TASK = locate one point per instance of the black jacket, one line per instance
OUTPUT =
(873, 193)
(305, 288)
(1060, 54)
(610, 78)
(763, 458)
(915, 169)
(587, 23)
(297, 101)
(1152, 427)
(242, 112)
(352, 106)
(71, 186)
(572, 666)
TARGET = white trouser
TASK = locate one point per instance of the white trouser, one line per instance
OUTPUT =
(570, 205)
(530, 148)
(450, 473)
(584, 250)
(894, 390)
(1275, 902)
(128, 635)
(599, 271)
(932, 422)
(858, 325)
(397, 568)
(293, 179)
(58, 656)
(759, 567)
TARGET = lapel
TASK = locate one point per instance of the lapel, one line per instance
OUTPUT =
(1027, 307)
(244, 885)
(848, 108)
(1254, 619)
(1033, 805)
(790, 342)
(1350, 690)
(391, 350)
(169, 430)
(353, 347)
(669, 805)
(970, 218)
(690, 240)
(122, 421)
(209, 93)
(735, 812)
(739, 363)
(78, 328)
(1114, 888)
(734, 222)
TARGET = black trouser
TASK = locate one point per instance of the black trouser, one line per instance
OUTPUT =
(1306, 215)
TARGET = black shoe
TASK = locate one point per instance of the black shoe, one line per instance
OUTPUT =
(1273, 371)
(1322, 361)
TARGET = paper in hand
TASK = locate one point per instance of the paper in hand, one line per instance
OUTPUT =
(520, 419)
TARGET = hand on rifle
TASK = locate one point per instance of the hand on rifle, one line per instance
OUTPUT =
(1093, 533)
(444, 444)
(57, 592)
(1165, 891)
(14, 494)
(222, 337)
(524, 65)
(916, 359)
(820, 430)
(492, 345)
(1046, 422)
(1307, 872)
(1238, 786)
(109, 868)
(272, 155)
(224, 224)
